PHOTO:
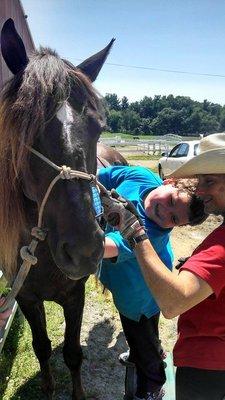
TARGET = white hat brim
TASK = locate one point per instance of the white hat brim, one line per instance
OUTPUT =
(209, 162)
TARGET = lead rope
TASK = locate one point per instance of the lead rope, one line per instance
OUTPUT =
(38, 233)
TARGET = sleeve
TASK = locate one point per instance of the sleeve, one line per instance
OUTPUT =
(124, 249)
(111, 177)
(161, 243)
(126, 253)
(209, 265)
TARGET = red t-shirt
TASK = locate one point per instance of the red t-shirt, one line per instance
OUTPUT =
(201, 330)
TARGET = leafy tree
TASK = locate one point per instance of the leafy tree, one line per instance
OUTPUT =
(146, 108)
(124, 103)
(192, 123)
(215, 109)
(167, 121)
(206, 105)
(145, 126)
(114, 121)
(209, 124)
(222, 120)
(135, 107)
(182, 102)
(112, 101)
(164, 114)
(130, 121)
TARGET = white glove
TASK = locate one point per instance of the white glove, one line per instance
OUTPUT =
(122, 214)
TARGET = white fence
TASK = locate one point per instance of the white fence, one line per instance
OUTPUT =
(151, 146)
(154, 147)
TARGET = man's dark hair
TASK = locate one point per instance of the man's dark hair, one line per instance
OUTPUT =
(196, 211)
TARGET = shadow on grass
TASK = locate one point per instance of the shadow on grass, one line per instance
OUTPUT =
(9, 350)
(99, 361)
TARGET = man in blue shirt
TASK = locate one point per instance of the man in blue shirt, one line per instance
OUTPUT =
(161, 207)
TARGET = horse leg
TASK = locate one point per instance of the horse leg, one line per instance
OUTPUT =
(72, 352)
(35, 315)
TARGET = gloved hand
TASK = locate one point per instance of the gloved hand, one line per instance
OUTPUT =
(181, 262)
(122, 214)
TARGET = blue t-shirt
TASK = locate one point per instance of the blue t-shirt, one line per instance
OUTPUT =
(124, 278)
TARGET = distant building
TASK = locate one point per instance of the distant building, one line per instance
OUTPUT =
(14, 9)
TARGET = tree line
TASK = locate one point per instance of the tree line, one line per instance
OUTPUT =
(163, 115)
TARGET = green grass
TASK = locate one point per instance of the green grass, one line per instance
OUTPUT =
(20, 379)
(3, 286)
(19, 368)
(126, 136)
(153, 169)
(141, 137)
(144, 157)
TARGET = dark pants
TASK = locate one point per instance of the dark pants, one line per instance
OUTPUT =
(143, 340)
(199, 384)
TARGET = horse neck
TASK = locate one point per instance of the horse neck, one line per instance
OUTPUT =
(31, 214)
(102, 162)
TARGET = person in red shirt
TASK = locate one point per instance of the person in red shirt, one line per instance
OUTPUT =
(197, 293)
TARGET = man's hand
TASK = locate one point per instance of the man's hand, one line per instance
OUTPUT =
(122, 214)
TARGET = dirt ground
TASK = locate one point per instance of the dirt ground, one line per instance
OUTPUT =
(102, 336)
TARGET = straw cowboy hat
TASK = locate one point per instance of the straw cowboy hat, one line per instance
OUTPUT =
(210, 160)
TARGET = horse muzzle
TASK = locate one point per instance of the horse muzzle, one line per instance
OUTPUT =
(81, 259)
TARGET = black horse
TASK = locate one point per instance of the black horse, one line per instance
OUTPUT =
(50, 106)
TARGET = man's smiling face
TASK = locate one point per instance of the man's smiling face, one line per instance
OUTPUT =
(167, 206)
(211, 188)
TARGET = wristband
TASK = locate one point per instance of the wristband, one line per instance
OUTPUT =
(133, 241)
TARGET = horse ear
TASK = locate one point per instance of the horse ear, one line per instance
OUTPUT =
(12, 47)
(92, 66)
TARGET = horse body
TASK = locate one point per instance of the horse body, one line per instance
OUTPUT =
(109, 156)
(51, 106)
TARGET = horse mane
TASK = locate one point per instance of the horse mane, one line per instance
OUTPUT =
(28, 102)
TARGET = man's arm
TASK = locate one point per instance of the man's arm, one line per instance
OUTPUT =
(174, 294)
(111, 249)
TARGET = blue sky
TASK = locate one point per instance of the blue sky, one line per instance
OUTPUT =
(181, 35)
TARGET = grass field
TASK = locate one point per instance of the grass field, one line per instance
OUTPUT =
(140, 137)
(125, 135)
(141, 157)
(19, 368)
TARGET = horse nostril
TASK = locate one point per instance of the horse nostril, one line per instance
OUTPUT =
(66, 253)
(85, 250)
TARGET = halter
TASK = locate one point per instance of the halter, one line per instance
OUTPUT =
(38, 234)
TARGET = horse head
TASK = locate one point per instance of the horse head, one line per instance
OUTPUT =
(51, 106)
